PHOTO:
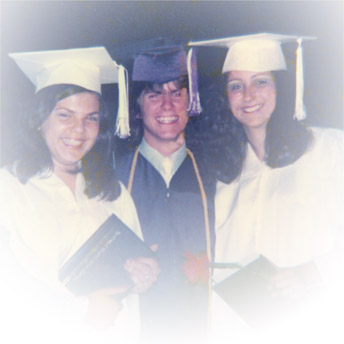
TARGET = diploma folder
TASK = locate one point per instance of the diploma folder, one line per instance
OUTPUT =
(246, 292)
(99, 263)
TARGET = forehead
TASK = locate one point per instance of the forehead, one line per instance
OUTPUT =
(83, 101)
(246, 75)
(168, 86)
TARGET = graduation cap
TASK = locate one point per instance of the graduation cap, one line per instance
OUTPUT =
(261, 53)
(85, 67)
(161, 65)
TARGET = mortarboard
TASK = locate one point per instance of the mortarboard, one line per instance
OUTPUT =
(85, 67)
(161, 65)
(261, 53)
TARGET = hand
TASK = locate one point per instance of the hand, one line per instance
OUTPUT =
(102, 308)
(143, 272)
(294, 283)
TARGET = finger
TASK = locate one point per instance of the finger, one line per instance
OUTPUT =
(154, 247)
(139, 277)
(142, 279)
(143, 286)
(144, 265)
(150, 262)
(138, 269)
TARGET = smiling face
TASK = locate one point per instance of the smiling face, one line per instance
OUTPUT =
(164, 114)
(71, 129)
(252, 98)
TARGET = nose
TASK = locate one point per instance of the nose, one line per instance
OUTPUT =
(167, 101)
(249, 93)
(79, 125)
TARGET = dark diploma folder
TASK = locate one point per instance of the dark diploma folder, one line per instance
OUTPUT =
(99, 262)
(246, 293)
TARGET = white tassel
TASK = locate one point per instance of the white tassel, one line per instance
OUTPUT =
(195, 107)
(300, 111)
(188, 65)
(122, 123)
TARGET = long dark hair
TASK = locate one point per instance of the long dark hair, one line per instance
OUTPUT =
(286, 139)
(35, 158)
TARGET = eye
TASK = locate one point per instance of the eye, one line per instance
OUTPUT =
(93, 118)
(262, 82)
(235, 87)
(63, 115)
(177, 94)
(153, 95)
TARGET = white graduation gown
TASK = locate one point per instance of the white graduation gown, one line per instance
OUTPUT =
(45, 224)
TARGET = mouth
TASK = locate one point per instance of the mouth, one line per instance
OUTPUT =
(167, 119)
(72, 143)
(250, 109)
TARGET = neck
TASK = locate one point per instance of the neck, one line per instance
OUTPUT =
(168, 147)
(67, 177)
(256, 137)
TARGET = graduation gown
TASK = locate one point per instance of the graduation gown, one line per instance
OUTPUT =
(173, 218)
(291, 215)
(42, 224)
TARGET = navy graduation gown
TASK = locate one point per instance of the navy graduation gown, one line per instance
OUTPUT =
(173, 218)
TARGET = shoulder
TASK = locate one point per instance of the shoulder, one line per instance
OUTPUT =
(124, 202)
(205, 171)
(327, 135)
(123, 205)
(11, 191)
(124, 196)
(125, 209)
(7, 179)
(325, 154)
(327, 140)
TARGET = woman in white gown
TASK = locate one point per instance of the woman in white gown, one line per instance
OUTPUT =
(55, 195)
(280, 183)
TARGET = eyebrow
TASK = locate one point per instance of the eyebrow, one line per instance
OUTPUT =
(162, 92)
(252, 77)
(152, 91)
(65, 109)
(71, 111)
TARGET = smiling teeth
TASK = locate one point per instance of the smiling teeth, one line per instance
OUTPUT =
(72, 142)
(167, 120)
(253, 108)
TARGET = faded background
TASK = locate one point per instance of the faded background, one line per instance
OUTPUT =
(125, 26)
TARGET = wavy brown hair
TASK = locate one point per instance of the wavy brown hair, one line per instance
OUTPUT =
(34, 157)
(286, 138)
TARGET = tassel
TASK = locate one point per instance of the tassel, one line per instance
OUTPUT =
(122, 122)
(194, 102)
(300, 111)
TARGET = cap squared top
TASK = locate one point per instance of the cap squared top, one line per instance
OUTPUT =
(160, 65)
(85, 67)
(257, 53)
(255, 56)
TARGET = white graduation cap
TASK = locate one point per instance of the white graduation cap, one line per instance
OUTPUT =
(85, 67)
(261, 53)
